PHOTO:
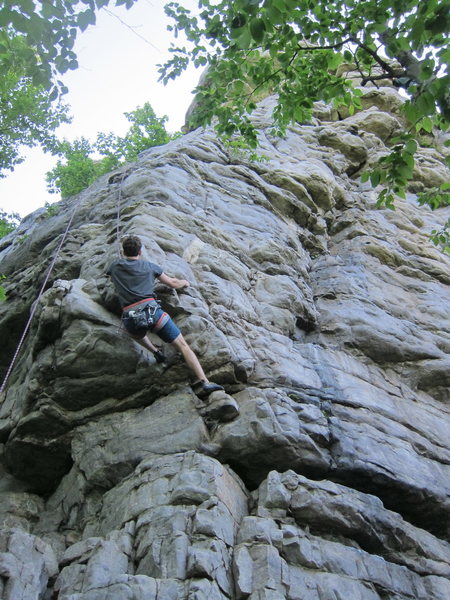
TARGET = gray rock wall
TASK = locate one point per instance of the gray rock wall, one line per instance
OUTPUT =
(322, 472)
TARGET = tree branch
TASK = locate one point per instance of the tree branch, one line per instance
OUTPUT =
(132, 29)
(383, 64)
(294, 56)
(365, 79)
(412, 70)
(331, 47)
(408, 61)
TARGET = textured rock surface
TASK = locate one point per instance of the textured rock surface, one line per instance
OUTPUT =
(323, 470)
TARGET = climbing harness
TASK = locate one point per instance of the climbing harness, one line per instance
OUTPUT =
(36, 302)
(141, 314)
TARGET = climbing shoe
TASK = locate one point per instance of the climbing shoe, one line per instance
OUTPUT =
(204, 388)
(159, 356)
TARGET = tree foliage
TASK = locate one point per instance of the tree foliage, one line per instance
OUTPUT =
(49, 29)
(8, 222)
(27, 116)
(36, 47)
(294, 47)
(82, 162)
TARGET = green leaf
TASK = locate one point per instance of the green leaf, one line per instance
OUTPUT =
(238, 21)
(426, 103)
(86, 18)
(280, 5)
(375, 178)
(409, 162)
(48, 10)
(274, 15)
(245, 39)
(257, 29)
(39, 77)
(334, 61)
(365, 176)
(5, 17)
(53, 95)
(411, 146)
(426, 123)
(348, 56)
(273, 51)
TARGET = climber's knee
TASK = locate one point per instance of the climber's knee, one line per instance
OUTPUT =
(180, 343)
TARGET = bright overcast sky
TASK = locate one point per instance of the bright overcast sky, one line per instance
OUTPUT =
(117, 73)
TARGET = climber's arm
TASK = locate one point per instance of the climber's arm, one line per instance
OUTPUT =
(173, 282)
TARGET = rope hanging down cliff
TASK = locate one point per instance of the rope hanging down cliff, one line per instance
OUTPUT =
(49, 271)
(36, 302)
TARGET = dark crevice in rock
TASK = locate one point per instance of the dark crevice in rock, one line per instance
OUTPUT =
(415, 507)
(307, 324)
(253, 472)
(42, 468)
(355, 169)
(11, 329)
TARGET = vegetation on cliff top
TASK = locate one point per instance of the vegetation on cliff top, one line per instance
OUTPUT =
(294, 48)
(290, 47)
(36, 49)
(8, 222)
(82, 162)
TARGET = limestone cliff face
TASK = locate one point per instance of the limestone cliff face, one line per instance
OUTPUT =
(327, 322)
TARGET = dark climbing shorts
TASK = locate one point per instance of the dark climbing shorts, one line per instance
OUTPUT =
(163, 326)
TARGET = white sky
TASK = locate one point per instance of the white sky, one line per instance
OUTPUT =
(117, 73)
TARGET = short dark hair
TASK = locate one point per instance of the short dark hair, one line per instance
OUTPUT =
(131, 245)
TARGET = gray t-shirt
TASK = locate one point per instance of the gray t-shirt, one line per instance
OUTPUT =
(134, 280)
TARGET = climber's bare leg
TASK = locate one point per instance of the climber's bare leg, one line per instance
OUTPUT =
(145, 342)
(190, 357)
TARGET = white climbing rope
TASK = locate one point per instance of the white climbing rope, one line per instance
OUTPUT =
(49, 271)
(36, 302)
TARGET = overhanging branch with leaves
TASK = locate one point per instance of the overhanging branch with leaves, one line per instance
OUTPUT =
(293, 48)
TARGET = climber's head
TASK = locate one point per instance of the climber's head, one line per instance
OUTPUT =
(131, 246)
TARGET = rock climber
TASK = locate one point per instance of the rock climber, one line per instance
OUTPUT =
(134, 279)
